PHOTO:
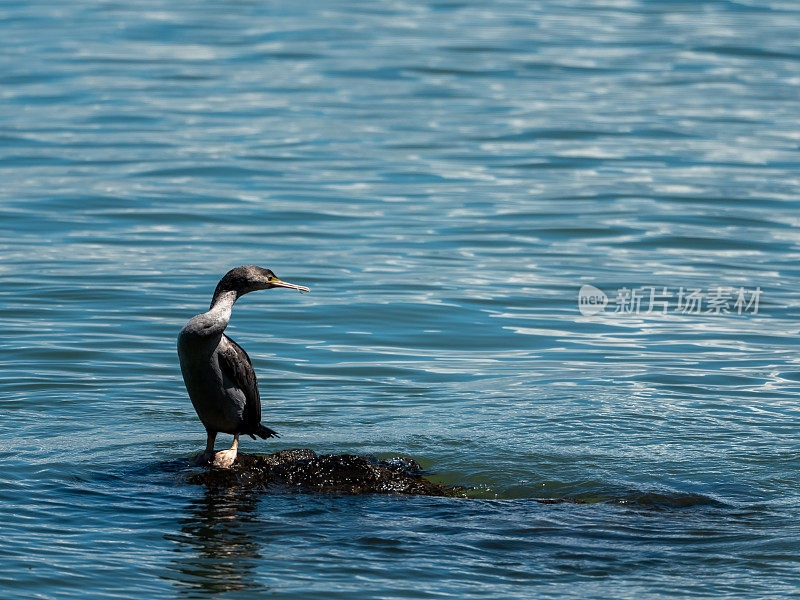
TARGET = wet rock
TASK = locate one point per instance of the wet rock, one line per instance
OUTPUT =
(305, 470)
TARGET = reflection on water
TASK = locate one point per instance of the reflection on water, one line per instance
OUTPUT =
(217, 549)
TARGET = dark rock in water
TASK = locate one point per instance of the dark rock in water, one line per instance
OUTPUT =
(305, 470)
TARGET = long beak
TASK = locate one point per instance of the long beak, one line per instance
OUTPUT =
(292, 286)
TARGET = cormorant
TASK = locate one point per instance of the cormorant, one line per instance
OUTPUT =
(218, 373)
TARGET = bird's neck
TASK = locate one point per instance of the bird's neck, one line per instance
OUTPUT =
(219, 314)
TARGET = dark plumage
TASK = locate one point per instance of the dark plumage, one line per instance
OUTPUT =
(238, 367)
(218, 374)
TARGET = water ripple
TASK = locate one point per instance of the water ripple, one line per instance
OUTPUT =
(445, 176)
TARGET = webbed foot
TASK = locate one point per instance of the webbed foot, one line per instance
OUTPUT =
(225, 459)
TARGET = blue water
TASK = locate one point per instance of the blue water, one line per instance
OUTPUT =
(445, 176)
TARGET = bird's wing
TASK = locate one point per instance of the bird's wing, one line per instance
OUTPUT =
(236, 366)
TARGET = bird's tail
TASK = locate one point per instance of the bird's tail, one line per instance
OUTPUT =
(264, 432)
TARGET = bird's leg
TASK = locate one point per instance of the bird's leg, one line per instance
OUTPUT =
(206, 457)
(225, 458)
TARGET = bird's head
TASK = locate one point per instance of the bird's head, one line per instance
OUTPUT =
(250, 278)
